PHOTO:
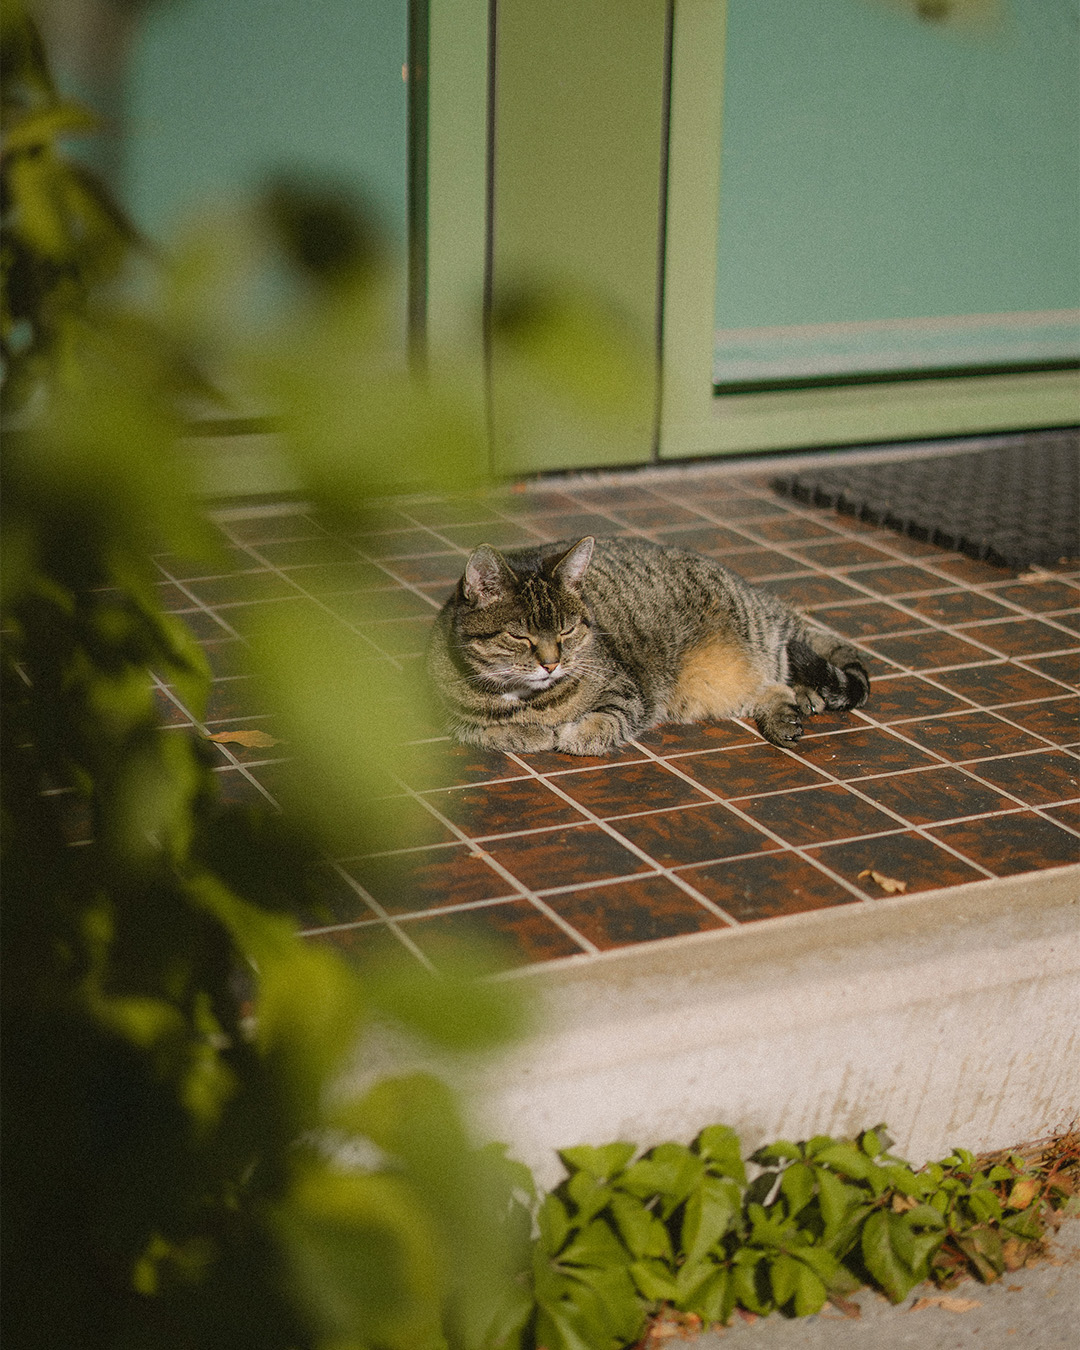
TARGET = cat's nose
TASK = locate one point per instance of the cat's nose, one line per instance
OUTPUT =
(549, 666)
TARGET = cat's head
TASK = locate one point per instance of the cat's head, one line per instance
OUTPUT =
(520, 631)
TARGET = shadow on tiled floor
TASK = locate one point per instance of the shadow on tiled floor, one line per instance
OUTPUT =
(964, 764)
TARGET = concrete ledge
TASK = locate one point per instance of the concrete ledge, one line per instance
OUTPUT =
(952, 1015)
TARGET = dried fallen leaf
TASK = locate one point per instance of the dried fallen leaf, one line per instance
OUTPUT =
(888, 884)
(1023, 1192)
(252, 739)
(943, 1301)
(845, 1305)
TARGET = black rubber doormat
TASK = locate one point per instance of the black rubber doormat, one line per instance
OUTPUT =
(1016, 505)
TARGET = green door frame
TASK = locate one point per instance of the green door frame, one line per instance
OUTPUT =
(693, 421)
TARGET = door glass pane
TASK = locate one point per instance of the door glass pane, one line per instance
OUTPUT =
(897, 196)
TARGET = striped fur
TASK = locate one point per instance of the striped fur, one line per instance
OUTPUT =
(580, 647)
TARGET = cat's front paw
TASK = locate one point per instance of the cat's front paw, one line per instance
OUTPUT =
(593, 734)
(780, 724)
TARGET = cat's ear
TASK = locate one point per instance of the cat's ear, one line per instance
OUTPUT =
(487, 577)
(571, 566)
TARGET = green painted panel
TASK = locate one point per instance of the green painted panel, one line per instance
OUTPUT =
(578, 148)
(223, 90)
(878, 168)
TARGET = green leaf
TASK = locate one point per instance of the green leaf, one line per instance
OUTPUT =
(595, 1245)
(783, 1277)
(810, 1292)
(744, 1281)
(849, 1160)
(711, 1211)
(589, 1195)
(670, 1172)
(781, 1151)
(837, 1198)
(984, 1205)
(654, 1281)
(642, 1232)
(554, 1223)
(797, 1186)
(719, 1146)
(982, 1247)
(601, 1163)
(891, 1274)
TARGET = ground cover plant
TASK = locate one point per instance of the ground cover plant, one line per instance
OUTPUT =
(679, 1235)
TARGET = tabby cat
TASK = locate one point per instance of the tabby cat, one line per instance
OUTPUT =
(579, 647)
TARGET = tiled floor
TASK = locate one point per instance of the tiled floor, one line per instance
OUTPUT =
(964, 764)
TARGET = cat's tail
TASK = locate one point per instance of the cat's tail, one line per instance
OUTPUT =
(825, 673)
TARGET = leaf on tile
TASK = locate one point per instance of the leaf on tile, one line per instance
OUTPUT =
(946, 1303)
(888, 884)
(252, 739)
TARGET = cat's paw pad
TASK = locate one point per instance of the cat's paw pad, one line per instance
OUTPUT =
(781, 725)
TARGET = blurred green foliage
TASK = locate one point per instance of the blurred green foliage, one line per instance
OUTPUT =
(175, 1172)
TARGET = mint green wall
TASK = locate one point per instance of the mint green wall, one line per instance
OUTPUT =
(223, 90)
(877, 167)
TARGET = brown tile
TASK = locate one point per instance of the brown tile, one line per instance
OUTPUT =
(218, 562)
(905, 696)
(204, 625)
(262, 529)
(657, 515)
(815, 815)
(499, 808)
(236, 789)
(364, 944)
(434, 567)
(365, 607)
(756, 564)
(866, 619)
(1001, 682)
(227, 657)
(172, 599)
(405, 543)
(169, 712)
(571, 856)
(930, 650)
(968, 736)
(703, 539)
(693, 834)
(512, 933)
(1009, 845)
(906, 857)
(1038, 779)
(1020, 637)
(627, 789)
(529, 501)
(1068, 814)
(633, 911)
(240, 589)
(1058, 719)
(1040, 597)
(616, 495)
(552, 761)
(452, 511)
(429, 878)
(793, 529)
(1065, 668)
(331, 578)
(573, 525)
(929, 795)
(444, 764)
(957, 606)
(675, 738)
(806, 591)
(856, 754)
(842, 553)
(402, 637)
(746, 770)
(230, 699)
(767, 886)
(900, 579)
(1070, 620)
(749, 509)
(907, 543)
(319, 551)
(972, 570)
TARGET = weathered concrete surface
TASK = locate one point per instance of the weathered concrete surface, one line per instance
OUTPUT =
(1033, 1309)
(952, 1015)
